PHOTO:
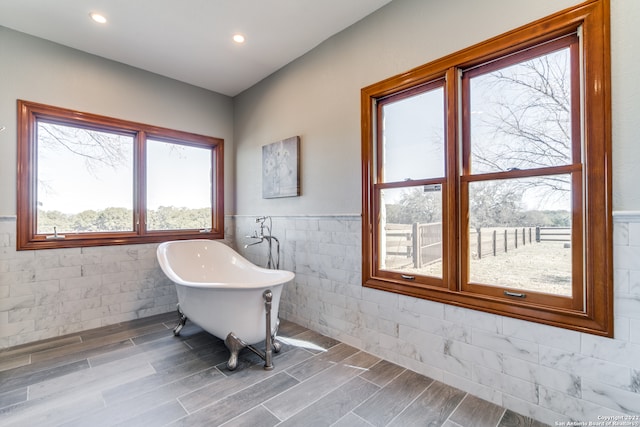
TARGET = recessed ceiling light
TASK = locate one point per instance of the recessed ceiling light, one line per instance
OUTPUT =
(238, 38)
(100, 19)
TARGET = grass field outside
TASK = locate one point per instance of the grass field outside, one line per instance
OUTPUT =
(540, 267)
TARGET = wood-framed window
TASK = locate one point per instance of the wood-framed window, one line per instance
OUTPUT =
(90, 180)
(486, 175)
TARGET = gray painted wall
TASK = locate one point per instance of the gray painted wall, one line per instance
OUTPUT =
(317, 96)
(40, 71)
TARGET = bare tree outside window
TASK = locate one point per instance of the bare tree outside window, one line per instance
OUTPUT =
(521, 120)
(85, 180)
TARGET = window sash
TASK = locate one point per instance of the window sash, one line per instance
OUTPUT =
(73, 161)
(382, 184)
(30, 114)
(573, 168)
(175, 177)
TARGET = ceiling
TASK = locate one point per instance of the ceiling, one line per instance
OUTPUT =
(191, 40)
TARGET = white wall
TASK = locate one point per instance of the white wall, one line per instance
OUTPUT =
(48, 293)
(549, 373)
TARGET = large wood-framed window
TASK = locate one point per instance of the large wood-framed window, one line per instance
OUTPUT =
(89, 180)
(487, 175)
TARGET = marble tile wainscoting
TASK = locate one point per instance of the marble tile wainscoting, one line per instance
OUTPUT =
(547, 373)
(54, 292)
(550, 374)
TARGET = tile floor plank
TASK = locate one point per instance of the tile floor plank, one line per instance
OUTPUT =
(91, 380)
(333, 406)
(13, 362)
(322, 361)
(79, 351)
(158, 416)
(40, 346)
(351, 420)
(289, 329)
(511, 419)
(382, 373)
(182, 355)
(297, 398)
(137, 373)
(256, 417)
(240, 402)
(12, 397)
(158, 319)
(312, 341)
(132, 389)
(476, 412)
(432, 407)
(147, 351)
(392, 399)
(124, 409)
(50, 412)
(243, 377)
(19, 377)
(95, 344)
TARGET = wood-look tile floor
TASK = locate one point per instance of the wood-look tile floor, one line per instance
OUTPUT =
(138, 374)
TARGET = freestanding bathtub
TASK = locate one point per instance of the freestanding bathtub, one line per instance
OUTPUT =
(225, 294)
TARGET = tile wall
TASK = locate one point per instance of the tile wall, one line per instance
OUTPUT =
(53, 292)
(548, 373)
(551, 374)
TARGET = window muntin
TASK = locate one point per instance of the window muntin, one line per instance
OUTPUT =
(89, 177)
(582, 171)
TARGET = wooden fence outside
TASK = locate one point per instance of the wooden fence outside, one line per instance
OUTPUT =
(490, 241)
(553, 234)
(404, 250)
(424, 250)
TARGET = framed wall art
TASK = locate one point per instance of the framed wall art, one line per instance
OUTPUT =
(280, 164)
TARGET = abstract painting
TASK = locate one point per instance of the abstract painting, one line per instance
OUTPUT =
(280, 161)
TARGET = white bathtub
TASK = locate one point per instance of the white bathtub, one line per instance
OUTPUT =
(223, 292)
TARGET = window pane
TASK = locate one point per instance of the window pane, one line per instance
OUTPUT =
(520, 234)
(411, 230)
(179, 189)
(85, 180)
(413, 137)
(521, 115)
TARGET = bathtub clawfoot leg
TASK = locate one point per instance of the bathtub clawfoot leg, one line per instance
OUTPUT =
(276, 344)
(234, 344)
(269, 342)
(181, 322)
